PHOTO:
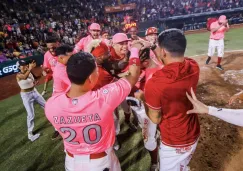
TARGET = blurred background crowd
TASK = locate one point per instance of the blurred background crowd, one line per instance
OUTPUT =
(25, 24)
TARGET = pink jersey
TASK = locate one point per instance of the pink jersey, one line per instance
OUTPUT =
(219, 34)
(50, 61)
(86, 123)
(60, 79)
(83, 43)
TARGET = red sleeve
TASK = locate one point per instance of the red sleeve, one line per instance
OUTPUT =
(152, 95)
(104, 79)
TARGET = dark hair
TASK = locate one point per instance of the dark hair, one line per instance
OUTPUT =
(53, 38)
(80, 66)
(63, 49)
(174, 41)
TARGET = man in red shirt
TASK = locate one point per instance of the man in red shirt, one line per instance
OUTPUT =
(167, 104)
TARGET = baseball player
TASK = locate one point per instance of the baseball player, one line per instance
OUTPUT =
(119, 59)
(60, 78)
(94, 30)
(233, 116)
(29, 94)
(50, 60)
(166, 102)
(216, 41)
(89, 133)
(149, 129)
(151, 35)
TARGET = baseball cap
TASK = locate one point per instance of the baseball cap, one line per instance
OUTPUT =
(94, 26)
(97, 48)
(151, 30)
(120, 37)
(21, 63)
(222, 18)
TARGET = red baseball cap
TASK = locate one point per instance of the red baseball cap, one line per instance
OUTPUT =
(120, 37)
(94, 26)
(151, 30)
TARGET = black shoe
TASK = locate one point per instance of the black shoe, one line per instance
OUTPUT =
(132, 127)
(117, 145)
(208, 60)
(219, 67)
(55, 135)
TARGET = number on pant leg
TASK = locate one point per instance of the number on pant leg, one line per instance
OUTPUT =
(86, 136)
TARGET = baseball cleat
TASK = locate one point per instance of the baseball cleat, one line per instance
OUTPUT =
(208, 60)
(154, 167)
(219, 67)
(116, 145)
(55, 135)
(33, 137)
(43, 93)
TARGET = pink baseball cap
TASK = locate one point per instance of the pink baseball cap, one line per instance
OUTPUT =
(120, 37)
(222, 18)
(94, 26)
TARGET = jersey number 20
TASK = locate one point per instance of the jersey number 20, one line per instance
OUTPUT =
(72, 134)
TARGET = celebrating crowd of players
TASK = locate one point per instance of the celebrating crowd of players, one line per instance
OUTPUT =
(148, 78)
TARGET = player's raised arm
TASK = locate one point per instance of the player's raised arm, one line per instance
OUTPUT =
(233, 116)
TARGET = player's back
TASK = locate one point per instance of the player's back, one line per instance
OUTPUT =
(86, 122)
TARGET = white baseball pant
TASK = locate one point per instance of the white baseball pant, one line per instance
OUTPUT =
(126, 109)
(149, 129)
(175, 158)
(28, 100)
(84, 163)
(216, 44)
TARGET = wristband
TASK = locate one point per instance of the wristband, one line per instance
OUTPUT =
(134, 53)
(134, 61)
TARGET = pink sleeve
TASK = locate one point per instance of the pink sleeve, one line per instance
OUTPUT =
(79, 46)
(213, 25)
(46, 63)
(114, 93)
(66, 80)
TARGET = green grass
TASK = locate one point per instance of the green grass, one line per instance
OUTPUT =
(19, 154)
(198, 43)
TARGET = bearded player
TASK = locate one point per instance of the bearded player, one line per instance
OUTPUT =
(89, 134)
(94, 30)
(216, 41)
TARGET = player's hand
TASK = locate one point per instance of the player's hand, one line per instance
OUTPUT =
(198, 107)
(32, 65)
(137, 44)
(146, 44)
(238, 96)
(139, 95)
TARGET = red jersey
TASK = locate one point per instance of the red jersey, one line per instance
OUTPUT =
(166, 91)
(104, 78)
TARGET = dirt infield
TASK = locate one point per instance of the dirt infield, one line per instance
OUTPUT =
(220, 143)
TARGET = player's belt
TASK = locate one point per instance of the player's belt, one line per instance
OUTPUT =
(216, 39)
(92, 156)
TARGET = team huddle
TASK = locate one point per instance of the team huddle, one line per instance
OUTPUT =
(148, 78)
